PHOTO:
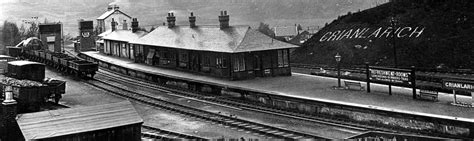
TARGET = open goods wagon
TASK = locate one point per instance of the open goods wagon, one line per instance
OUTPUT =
(83, 67)
(31, 94)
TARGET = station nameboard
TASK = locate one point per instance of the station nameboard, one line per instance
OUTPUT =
(390, 75)
(459, 85)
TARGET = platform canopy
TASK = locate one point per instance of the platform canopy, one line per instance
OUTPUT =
(55, 123)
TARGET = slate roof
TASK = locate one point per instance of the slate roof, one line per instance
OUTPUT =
(124, 35)
(105, 33)
(110, 12)
(54, 123)
(211, 38)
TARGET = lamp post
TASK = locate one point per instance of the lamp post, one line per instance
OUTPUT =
(393, 23)
(338, 60)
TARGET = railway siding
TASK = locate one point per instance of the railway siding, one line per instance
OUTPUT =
(369, 114)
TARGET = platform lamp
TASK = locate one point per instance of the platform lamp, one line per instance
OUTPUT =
(338, 60)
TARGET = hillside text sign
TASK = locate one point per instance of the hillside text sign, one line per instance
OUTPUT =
(459, 85)
(372, 33)
(390, 75)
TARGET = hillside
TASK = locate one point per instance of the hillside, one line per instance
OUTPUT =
(428, 34)
(152, 12)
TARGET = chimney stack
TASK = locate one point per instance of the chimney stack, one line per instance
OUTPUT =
(192, 20)
(134, 25)
(171, 20)
(9, 113)
(224, 20)
(113, 23)
(124, 25)
(109, 8)
(116, 7)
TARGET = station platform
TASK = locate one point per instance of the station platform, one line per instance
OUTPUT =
(318, 88)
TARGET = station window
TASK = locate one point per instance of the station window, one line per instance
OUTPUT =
(168, 57)
(221, 62)
(239, 63)
(257, 64)
(206, 61)
(283, 58)
(183, 60)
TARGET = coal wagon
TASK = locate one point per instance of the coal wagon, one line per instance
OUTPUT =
(29, 94)
(83, 68)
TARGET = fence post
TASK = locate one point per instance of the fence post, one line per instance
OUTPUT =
(367, 73)
(413, 81)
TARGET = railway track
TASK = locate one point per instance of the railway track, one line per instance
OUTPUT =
(257, 128)
(119, 78)
(153, 133)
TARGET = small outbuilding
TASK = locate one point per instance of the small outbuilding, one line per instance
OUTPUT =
(110, 122)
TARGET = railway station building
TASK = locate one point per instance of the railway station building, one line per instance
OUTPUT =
(116, 43)
(231, 52)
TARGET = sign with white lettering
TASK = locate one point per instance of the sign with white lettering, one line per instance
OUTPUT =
(368, 33)
(390, 75)
(459, 85)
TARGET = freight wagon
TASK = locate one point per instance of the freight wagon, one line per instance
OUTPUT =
(31, 94)
(63, 62)
(26, 70)
(60, 61)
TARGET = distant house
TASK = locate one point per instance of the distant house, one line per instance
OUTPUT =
(286, 32)
(123, 20)
(232, 52)
(300, 38)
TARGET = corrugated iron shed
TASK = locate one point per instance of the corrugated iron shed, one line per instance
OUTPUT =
(211, 38)
(55, 123)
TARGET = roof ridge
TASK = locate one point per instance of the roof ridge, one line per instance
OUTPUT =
(243, 38)
(110, 12)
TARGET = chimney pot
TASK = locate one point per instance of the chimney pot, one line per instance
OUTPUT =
(9, 95)
(192, 20)
(171, 20)
(224, 20)
(134, 25)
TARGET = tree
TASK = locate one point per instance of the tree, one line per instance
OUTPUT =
(11, 33)
(32, 31)
(299, 28)
(265, 29)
